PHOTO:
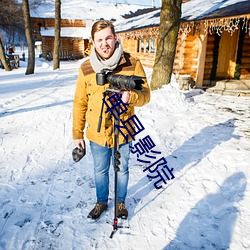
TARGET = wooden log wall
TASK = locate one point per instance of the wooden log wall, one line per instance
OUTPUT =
(178, 61)
(186, 55)
(79, 46)
(47, 45)
(146, 59)
(50, 22)
(245, 60)
(131, 46)
(190, 56)
(73, 45)
(185, 59)
(66, 44)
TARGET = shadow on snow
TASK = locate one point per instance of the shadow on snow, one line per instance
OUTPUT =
(209, 225)
(23, 110)
(188, 155)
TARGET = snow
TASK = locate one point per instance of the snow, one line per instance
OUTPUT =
(192, 10)
(197, 9)
(45, 196)
(86, 10)
(155, 3)
(84, 33)
(145, 20)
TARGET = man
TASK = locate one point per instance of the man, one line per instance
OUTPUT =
(107, 54)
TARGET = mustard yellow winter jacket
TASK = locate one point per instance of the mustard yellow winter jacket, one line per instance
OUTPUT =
(88, 101)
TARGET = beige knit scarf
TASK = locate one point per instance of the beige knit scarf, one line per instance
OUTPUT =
(98, 64)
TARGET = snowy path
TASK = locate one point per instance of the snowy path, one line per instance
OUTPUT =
(45, 197)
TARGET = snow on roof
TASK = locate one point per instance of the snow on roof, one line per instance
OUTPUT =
(145, 20)
(192, 10)
(198, 9)
(85, 10)
(79, 32)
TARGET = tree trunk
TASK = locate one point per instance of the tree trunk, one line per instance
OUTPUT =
(168, 34)
(56, 59)
(3, 57)
(28, 33)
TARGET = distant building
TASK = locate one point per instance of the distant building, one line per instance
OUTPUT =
(77, 19)
(75, 36)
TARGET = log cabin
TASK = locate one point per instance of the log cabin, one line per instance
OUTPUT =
(213, 41)
(74, 37)
(77, 19)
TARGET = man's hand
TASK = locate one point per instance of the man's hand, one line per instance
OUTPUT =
(79, 151)
(79, 143)
(125, 96)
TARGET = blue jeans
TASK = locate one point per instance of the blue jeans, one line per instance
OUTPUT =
(102, 158)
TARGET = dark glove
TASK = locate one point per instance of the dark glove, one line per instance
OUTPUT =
(78, 153)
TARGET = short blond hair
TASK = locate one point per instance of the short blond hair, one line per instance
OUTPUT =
(100, 25)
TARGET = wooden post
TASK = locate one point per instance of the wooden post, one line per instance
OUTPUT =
(201, 60)
(144, 45)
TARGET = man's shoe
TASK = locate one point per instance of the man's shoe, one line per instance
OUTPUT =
(122, 211)
(97, 210)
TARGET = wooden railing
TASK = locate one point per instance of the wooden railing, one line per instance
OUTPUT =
(64, 55)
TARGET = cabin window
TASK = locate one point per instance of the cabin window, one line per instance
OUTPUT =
(140, 45)
(146, 45)
(152, 45)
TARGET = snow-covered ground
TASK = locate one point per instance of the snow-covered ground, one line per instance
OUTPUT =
(45, 197)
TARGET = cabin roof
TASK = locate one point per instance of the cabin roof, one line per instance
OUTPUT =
(140, 21)
(77, 32)
(84, 10)
(193, 10)
(208, 9)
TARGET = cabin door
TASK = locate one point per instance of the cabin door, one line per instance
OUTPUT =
(227, 55)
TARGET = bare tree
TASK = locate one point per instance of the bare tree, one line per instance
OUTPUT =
(11, 24)
(56, 59)
(28, 33)
(3, 57)
(168, 34)
(11, 17)
(36, 3)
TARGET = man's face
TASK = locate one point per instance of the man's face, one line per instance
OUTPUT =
(104, 42)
